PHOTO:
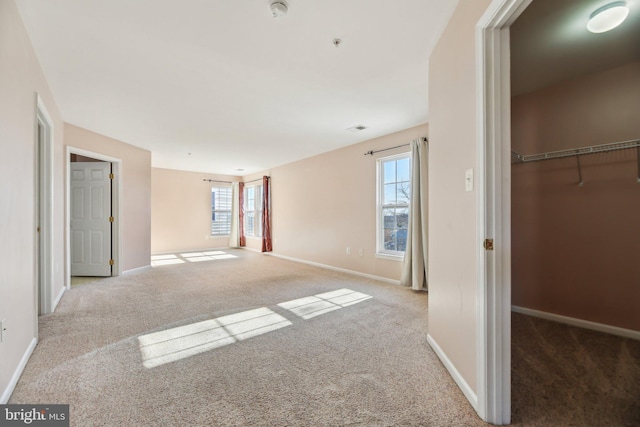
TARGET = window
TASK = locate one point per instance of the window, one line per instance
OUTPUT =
(220, 211)
(253, 210)
(393, 204)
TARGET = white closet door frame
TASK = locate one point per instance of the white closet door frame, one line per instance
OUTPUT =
(493, 149)
(116, 208)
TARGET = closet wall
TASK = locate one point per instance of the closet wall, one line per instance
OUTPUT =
(576, 249)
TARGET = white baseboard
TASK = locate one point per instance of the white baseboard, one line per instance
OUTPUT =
(6, 394)
(136, 270)
(600, 327)
(253, 250)
(58, 298)
(457, 377)
(330, 267)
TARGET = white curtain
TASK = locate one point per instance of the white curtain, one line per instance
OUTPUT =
(234, 236)
(414, 266)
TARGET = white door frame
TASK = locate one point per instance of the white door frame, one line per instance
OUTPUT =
(116, 207)
(44, 251)
(493, 151)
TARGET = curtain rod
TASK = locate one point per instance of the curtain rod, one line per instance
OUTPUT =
(257, 179)
(372, 152)
(231, 182)
(215, 180)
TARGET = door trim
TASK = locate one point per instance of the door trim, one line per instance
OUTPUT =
(116, 208)
(493, 152)
(44, 252)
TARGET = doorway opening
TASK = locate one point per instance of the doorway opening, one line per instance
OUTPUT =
(43, 182)
(93, 215)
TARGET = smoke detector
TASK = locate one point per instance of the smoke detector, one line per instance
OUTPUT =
(278, 9)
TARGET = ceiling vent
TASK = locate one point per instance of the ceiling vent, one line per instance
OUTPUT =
(356, 129)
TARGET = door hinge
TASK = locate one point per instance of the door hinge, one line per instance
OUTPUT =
(111, 262)
(488, 244)
(111, 176)
(111, 219)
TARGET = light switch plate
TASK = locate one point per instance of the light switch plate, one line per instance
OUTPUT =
(468, 180)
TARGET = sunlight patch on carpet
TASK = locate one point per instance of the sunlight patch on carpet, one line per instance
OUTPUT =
(316, 305)
(181, 258)
(174, 344)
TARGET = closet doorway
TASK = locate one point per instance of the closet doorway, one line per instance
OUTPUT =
(93, 219)
(575, 201)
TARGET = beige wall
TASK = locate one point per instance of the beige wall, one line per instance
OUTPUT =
(325, 203)
(136, 191)
(20, 79)
(181, 211)
(575, 249)
(452, 211)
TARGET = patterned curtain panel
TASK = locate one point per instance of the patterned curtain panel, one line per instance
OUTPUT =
(266, 214)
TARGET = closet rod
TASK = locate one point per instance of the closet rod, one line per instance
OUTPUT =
(602, 148)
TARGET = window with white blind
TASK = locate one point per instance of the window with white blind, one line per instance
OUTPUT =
(221, 211)
(253, 210)
(393, 204)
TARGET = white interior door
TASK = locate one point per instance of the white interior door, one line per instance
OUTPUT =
(90, 219)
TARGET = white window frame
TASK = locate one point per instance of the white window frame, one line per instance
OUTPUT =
(256, 208)
(230, 210)
(381, 252)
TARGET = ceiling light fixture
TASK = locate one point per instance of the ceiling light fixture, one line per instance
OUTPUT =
(608, 17)
(278, 9)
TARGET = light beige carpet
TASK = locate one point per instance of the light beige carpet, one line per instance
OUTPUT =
(327, 361)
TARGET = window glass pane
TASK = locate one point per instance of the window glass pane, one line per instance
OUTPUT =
(389, 240)
(388, 218)
(402, 217)
(401, 240)
(403, 169)
(249, 223)
(220, 210)
(389, 194)
(389, 170)
(394, 197)
(249, 198)
(402, 193)
(258, 197)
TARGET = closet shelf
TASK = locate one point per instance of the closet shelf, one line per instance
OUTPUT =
(602, 148)
(577, 152)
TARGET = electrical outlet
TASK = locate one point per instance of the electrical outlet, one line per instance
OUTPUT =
(3, 329)
(348, 250)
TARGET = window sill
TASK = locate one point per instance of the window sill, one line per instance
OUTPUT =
(391, 257)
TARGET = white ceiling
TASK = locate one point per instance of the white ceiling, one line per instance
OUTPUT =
(220, 85)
